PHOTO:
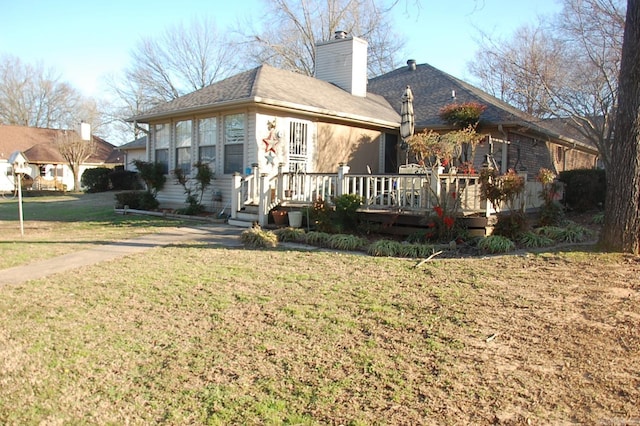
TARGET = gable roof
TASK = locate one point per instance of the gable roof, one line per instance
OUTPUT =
(140, 143)
(271, 86)
(38, 145)
(432, 89)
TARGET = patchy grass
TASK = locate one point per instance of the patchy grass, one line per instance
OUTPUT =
(57, 225)
(206, 335)
(198, 334)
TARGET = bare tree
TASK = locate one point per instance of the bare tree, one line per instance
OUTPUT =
(34, 96)
(75, 151)
(508, 69)
(184, 58)
(621, 229)
(181, 60)
(568, 67)
(291, 29)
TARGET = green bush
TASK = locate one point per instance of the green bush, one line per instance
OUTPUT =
(495, 244)
(137, 200)
(346, 211)
(124, 180)
(416, 250)
(96, 179)
(511, 224)
(296, 235)
(532, 239)
(256, 237)
(585, 189)
(571, 233)
(319, 239)
(385, 248)
(321, 216)
(152, 174)
(347, 242)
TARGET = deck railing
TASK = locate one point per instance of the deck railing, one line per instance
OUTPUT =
(401, 192)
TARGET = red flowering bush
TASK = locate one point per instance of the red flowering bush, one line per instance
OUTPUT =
(462, 115)
(442, 222)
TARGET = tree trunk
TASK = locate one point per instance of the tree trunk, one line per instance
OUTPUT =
(621, 230)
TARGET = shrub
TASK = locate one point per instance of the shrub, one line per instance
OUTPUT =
(585, 189)
(495, 244)
(572, 233)
(532, 239)
(551, 212)
(138, 200)
(347, 242)
(316, 238)
(152, 174)
(124, 180)
(511, 225)
(552, 232)
(499, 189)
(96, 179)
(296, 235)
(194, 187)
(346, 211)
(415, 250)
(598, 218)
(385, 248)
(256, 237)
(321, 215)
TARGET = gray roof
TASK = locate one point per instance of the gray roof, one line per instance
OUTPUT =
(275, 87)
(140, 143)
(432, 89)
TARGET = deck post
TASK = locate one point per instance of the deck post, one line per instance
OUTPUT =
(236, 191)
(253, 190)
(280, 187)
(341, 187)
(264, 200)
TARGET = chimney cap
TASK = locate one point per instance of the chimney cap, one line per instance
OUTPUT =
(411, 64)
(340, 34)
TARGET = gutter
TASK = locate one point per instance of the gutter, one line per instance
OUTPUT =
(321, 112)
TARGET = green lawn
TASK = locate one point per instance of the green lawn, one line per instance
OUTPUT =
(57, 225)
(201, 334)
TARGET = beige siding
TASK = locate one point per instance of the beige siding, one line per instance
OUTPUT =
(354, 146)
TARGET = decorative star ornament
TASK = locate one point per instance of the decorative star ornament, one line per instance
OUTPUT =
(270, 158)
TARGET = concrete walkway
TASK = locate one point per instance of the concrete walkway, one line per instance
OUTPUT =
(218, 234)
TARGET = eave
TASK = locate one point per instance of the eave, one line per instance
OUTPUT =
(272, 103)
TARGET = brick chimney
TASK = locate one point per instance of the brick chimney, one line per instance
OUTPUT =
(343, 62)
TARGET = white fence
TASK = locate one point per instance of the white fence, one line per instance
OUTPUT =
(401, 192)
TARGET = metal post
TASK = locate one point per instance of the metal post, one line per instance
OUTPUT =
(20, 204)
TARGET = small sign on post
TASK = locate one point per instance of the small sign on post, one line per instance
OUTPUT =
(20, 166)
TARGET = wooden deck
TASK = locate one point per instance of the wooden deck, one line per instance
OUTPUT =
(408, 194)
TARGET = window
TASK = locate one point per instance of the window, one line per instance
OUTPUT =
(207, 131)
(233, 143)
(162, 135)
(183, 146)
(298, 147)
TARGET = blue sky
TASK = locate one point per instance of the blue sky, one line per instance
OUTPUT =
(85, 40)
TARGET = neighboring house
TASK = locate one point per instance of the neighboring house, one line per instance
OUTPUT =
(531, 143)
(49, 170)
(258, 120)
(134, 150)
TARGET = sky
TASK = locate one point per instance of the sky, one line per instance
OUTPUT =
(86, 40)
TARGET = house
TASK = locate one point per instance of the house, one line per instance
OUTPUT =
(132, 151)
(267, 117)
(260, 125)
(517, 140)
(49, 170)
